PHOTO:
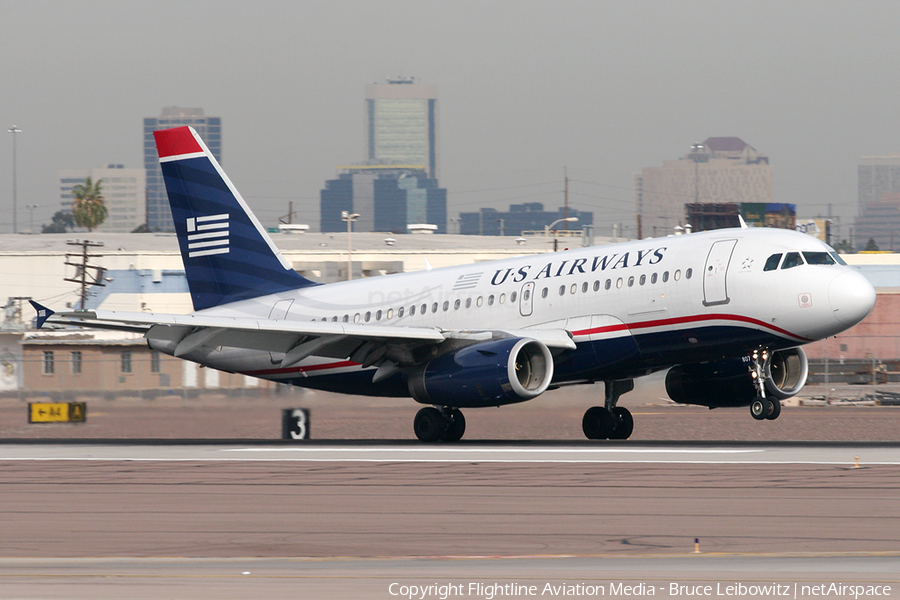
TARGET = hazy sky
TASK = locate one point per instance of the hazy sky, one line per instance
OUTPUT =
(526, 88)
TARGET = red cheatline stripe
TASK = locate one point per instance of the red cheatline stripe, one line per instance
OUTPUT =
(689, 319)
(177, 141)
(334, 365)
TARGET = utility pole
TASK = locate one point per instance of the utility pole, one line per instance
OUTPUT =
(347, 216)
(83, 275)
(14, 130)
(289, 216)
(566, 198)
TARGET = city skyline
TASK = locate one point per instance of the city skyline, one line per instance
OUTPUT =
(603, 89)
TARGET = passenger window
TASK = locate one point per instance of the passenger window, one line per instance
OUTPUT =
(400, 312)
(513, 296)
(562, 290)
(631, 281)
(597, 285)
(818, 258)
(665, 276)
(791, 260)
(584, 287)
(446, 305)
(491, 300)
(677, 275)
(368, 316)
(456, 304)
(334, 319)
(378, 315)
(688, 273)
(502, 298)
(608, 284)
(772, 262)
(653, 278)
(412, 310)
(480, 300)
(390, 314)
(434, 307)
(619, 282)
(346, 318)
(544, 293)
(425, 308)
(468, 302)
(574, 288)
(356, 318)
(643, 279)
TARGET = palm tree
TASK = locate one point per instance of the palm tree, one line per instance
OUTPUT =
(89, 206)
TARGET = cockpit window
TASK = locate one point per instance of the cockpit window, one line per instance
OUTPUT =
(818, 258)
(838, 258)
(791, 260)
(772, 262)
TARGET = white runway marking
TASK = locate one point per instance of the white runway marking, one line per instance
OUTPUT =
(843, 456)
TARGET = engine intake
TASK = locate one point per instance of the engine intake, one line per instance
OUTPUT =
(728, 382)
(491, 373)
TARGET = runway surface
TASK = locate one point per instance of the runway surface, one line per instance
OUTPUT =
(233, 520)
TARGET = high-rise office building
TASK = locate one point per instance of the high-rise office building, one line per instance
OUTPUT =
(122, 189)
(159, 215)
(401, 124)
(530, 216)
(719, 170)
(879, 202)
(387, 198)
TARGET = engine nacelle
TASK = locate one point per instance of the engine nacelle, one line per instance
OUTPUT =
(729, 383)
(490, 373)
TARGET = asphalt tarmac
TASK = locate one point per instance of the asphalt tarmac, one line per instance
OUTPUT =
(336, 520)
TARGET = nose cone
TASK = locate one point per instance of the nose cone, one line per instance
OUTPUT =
(852, 297)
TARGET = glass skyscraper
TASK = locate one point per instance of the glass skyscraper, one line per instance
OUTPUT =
(159, 215)
(401, 124)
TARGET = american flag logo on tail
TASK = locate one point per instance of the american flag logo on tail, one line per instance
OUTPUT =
(207, 235)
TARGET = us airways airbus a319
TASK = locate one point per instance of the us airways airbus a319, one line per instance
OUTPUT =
(726, 312)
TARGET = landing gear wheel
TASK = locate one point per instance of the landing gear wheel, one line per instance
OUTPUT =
(760, 408)
(598, 423)
(776, 410)
(624, 424)
(456, 426)
(429, 424)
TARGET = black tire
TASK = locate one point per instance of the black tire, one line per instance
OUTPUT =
(598, 423)
(456, 426)
(760, 408)
(429, 424)
(624, 424)
(776, 410)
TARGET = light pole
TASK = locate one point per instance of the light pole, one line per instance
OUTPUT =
(14, 130)
(347, 216)
(548, 227)
(31, 208)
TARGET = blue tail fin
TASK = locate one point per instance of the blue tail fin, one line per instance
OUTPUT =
(43, 313)
(227, 254)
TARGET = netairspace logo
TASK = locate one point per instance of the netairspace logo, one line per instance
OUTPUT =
(207, 235)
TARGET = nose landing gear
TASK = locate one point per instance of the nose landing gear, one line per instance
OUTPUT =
(762, 408)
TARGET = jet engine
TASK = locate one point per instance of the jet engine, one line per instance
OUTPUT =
(729, 382)
(490, 373)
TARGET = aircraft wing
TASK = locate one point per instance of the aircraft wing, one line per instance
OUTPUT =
(365, 344)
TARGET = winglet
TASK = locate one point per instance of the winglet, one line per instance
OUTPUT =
(743, 222)
(43, 313)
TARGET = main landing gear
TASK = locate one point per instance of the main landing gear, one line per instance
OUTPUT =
(442, 424)
(610, 421)
(762, 408)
